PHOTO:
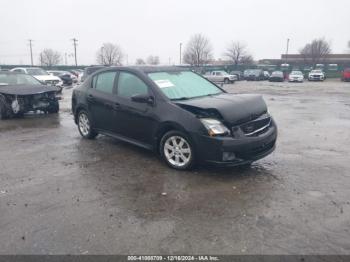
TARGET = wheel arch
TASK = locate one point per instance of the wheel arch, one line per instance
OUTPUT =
(163, 129)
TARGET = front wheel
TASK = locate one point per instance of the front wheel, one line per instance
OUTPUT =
(84, 125)
(177, 150)
(54, 107)
(226, 81)
(5, 111)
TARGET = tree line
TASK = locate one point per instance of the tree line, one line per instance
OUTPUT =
(198, 51)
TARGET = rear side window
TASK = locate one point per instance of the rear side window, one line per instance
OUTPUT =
(104, 82)
(129, 85)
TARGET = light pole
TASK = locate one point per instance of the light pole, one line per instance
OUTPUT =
(31, 51)
(180, 52)
(287, 50)
(75, 50)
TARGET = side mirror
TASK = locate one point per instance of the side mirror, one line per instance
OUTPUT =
(143, 98)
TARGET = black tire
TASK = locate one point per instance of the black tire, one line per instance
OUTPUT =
(226, 81)
(5, 112)
(54, 107)
(87, 130)
(187, 146)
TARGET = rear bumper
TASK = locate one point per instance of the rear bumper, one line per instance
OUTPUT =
(242, 150)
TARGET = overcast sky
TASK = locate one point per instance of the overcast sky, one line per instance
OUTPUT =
(156, 27)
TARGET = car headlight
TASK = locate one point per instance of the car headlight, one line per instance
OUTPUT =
(215, 127)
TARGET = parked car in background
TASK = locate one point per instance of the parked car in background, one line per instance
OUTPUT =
(317, 75)
(78, 73)
(67, 77)
(276, 76)
(266, 75)
(345, 74)
(41, 75)
(296, 76)
(177, 113)
(21, 93)
(255, 75)
(239, 75)
(89, 70)
(220, 77)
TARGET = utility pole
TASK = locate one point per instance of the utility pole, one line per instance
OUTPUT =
(75, 50)
(287, 50)
(180, 52)
(31, 51)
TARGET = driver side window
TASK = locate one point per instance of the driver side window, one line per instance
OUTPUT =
(129, 85)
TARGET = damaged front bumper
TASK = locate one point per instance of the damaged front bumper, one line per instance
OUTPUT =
(230, 151)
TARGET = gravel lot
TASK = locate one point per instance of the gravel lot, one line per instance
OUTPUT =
(60, 194)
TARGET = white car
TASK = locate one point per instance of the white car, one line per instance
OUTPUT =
(296, 76)
(39, 74)
(316, 75)
(220, 76)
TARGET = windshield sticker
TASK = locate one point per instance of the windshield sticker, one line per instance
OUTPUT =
(164, 83)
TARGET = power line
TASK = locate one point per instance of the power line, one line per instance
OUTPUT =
(75, 50)
(31, 51)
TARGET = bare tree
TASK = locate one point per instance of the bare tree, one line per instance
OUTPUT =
(198, 50)
(49, 57)
(247, 60)
(153, 60)
(109, 54)
(237, 52)
(140, 61)
(316, 51)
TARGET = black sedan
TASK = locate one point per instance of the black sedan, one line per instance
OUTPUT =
(177, 113)
(21, 93)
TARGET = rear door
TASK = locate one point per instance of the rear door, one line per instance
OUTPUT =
(102, 100)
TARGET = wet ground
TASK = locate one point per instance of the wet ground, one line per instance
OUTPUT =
(60, 194)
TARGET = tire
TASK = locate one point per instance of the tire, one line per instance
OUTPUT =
(177, 150)
(84, 125)
(5, 112)
(53, 108)
(226, 81)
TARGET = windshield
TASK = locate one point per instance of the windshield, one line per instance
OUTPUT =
(296, 73)
(277, 73)
(183, 85)
(36, 71)
(316, 71)
(17, 79)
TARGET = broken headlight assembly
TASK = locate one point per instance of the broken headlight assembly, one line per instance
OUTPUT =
(215, 127)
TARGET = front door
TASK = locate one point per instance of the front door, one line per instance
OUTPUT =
(134, 120)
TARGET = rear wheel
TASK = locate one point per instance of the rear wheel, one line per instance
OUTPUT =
(84, 125)
(177, 150)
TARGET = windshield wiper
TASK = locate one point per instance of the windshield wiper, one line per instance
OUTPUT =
(180, 98)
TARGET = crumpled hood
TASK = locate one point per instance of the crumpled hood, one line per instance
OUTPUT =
(27, 89)
(47, 77)
(231, 108)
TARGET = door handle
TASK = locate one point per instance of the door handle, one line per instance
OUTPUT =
(116, 106)
(91, 97)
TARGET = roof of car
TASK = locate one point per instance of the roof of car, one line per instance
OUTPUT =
(11, 73)
(154, 69)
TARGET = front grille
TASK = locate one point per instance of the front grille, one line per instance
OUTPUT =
(52, 82)
(257, 126)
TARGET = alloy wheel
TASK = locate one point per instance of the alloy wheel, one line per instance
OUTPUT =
(177, 151)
